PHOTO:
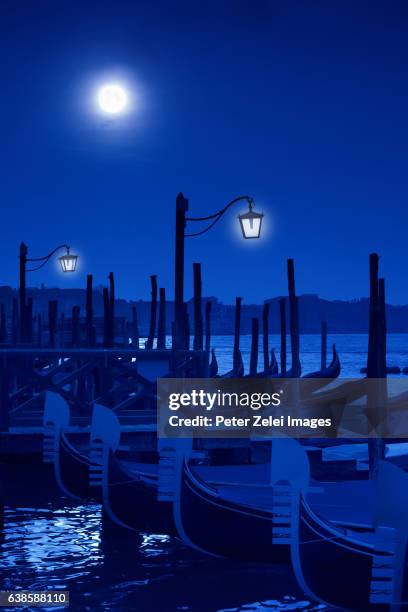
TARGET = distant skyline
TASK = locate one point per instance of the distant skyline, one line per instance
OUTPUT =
(189, 296)
(301, 105)
(341, 316)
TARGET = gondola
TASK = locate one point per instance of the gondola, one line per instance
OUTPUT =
(71, 466)
(238, 521)
(290, 373)
(313, 381)
(272, 370)
(273, 366)
(72, 470)
(332, 371)
(128, 490)
(231, 520)
(129, 497)
(354, 570)
(70, 453)
(332, 565)
(238, 370)
(213, 367)
(139, 495)
(210, 522)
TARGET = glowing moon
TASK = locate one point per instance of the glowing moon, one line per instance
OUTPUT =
(112, 99)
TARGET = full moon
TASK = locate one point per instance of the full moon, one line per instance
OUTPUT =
(112, 98)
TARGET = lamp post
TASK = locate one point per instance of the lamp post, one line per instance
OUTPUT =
(68, 263)
(250, 222)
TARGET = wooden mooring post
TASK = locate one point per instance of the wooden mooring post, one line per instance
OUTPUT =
(111, 311)
(323, 352)
(135, 327)
(52, 322)
(294, 320)
(75, 334)
(186, 328)
(376, 360)
(62, 330)
(106, 317)
(179, 311)
(29, 320)
(208, 306)
(283, 349)
(265, 336)
(161, 330)
(14, 322)
(382, 330)
(198, 314)
(22, 293)
(153, 312)
(253, 364)
(89, 326)
(39, 330)
(3, 324)
(4, 396)
(237, 331)
(373, 345)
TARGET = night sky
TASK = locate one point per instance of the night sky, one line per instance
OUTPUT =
(302, 105)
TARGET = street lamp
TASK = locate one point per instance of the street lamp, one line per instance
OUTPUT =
(68, 263)
(250, 223)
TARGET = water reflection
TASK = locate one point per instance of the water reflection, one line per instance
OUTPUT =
(61, 545)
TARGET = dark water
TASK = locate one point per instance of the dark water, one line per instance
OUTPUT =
(49, 542)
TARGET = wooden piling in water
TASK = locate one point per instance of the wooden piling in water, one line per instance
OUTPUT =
(90, 340)
(237, 332)
(3, 324)
(135, 327)
(294, 320)
(186, 328)
(29, 320)
(377, 327)
(208, 306)
(39, 330)
(111, 313)
(153, 312)
(106, 317)
(253, 363)
(161, 330)
(283, 349)
(382, 330)
(198, 314)
(75, 339)
(62, 330)
(323, 351)
(372, 354)
(14, 321)
(4, 395)
(52, 321)
(265, 336)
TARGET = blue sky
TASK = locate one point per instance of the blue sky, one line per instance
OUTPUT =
(302, 105)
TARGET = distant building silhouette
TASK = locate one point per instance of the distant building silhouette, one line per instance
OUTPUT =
(341, 316)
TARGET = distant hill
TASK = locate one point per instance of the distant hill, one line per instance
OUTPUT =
(341, 316)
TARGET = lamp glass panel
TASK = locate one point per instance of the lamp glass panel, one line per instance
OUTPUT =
(251, 227)
(68, 263)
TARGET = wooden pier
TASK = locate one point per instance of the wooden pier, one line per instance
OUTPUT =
(122, 379)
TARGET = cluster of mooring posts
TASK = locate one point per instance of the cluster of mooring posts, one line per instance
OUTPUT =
(93, 409)
(88, 360)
